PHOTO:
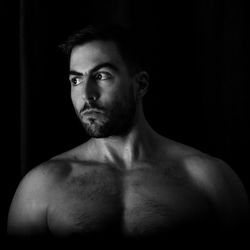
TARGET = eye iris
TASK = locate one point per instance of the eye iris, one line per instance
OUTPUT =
(99, 77)
(75, 81)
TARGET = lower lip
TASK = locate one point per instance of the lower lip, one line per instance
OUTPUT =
(87, 113)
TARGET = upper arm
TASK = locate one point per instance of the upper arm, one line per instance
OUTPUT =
(27, 213)
(223, 188)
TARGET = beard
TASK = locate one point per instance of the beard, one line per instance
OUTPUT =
(116, 120)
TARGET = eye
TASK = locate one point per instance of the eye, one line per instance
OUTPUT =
(75, 81)
(100, 76)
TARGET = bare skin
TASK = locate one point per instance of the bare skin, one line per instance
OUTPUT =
(138, 184)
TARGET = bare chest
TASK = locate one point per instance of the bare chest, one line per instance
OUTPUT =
(136, 203)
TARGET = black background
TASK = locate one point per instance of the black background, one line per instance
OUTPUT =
(197, 54)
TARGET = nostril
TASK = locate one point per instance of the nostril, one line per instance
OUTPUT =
(92, 98)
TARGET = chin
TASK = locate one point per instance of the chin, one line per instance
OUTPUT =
(96, 131)
(103, 128)
(105, 131)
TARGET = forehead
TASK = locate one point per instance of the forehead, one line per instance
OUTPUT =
(84, 57)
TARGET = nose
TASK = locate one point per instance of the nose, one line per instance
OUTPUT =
(90, 91)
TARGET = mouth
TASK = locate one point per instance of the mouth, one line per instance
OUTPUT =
(92, 112)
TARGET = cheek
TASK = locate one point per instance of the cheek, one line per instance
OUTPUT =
(108, 95)
(76, 100)
(120, 97)
(121, 90)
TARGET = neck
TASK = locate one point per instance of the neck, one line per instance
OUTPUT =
(137, 145)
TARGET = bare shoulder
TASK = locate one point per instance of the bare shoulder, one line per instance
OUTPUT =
(33, 183)
(80, 152)
(28, 210)
(206, 171)
(46, 174)
(217, 180)
(215, 176)
(222, 186)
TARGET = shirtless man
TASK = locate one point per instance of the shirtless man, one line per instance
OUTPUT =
(127, 180)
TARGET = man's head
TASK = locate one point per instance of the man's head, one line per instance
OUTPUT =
(107, 80)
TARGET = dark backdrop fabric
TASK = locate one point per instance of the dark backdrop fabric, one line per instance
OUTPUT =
(197, 57)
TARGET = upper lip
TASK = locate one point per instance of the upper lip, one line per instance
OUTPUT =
(92, 111)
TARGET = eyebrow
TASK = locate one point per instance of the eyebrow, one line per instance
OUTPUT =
(97, 67)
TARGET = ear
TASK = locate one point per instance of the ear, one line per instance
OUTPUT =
(141, 83)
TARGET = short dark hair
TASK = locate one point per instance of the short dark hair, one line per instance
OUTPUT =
(124, 38)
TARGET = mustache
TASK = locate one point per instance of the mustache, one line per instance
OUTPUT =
(91, 106)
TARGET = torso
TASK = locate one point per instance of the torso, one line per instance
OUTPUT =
(152, 198)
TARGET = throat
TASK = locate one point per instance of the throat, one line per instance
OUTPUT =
(125, 151)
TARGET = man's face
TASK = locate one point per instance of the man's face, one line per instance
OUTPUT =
(102, 89)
